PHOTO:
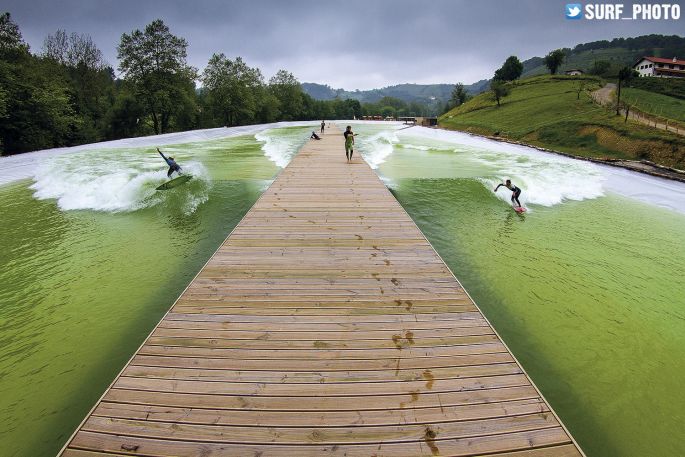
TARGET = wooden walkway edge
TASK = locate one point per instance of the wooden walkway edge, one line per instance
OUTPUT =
(324, 325)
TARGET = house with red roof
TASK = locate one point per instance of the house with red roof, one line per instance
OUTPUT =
(660, 68)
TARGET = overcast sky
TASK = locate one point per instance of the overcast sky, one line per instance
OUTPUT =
(346, 44)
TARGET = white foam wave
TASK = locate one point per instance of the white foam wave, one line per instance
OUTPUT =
(23, 166)
(276, 149)
(83, 185)
(545, 179)
(377, 147)
(280, 146)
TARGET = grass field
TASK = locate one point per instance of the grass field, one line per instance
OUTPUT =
(547, 111)
(655, 104)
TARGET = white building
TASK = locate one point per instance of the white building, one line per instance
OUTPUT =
(660, 68)
(574, 72)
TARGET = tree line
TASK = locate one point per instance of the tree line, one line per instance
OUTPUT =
(669, 44)
(67, 94)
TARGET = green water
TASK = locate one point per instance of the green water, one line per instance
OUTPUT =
(589, 294)
(81, 288)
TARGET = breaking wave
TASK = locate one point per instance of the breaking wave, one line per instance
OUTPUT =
(280, 146)
(377, 147)
(124, 184)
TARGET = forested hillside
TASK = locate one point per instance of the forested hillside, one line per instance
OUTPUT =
(606, 57)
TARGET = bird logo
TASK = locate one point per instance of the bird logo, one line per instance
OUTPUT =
(573, 10)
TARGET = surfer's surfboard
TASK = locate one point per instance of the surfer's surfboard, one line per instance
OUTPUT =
(175, 182)
(519, 209)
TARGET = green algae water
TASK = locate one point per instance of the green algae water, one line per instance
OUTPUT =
(92, 257)
(586, 288)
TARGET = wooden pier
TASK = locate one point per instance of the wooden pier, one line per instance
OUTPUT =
(325, 325)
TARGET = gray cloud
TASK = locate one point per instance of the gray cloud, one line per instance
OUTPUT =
(350, 44)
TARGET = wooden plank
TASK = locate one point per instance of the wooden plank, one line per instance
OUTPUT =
(428, 446)
(208, 416)
(355, 434)
(305, 377)
(325, 324)
(413, 400)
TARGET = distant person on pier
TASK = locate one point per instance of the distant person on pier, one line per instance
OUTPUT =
(323, 125)
(314, 136)
(349, 142)
(515, 192)
(173, 166)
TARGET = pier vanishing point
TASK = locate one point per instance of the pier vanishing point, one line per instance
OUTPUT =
(325, 325)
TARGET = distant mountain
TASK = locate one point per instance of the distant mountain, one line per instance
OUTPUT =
(421, 93)
(320, 91)
(618, 52)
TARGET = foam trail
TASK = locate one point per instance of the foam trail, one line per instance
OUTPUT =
(377, 147)
(281, 145)
(23, 166)
(127, 186)
(545, 179)
(549, 179)
(278, 149)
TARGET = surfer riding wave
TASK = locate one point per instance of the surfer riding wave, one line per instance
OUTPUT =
(515, 192)
(173, 166)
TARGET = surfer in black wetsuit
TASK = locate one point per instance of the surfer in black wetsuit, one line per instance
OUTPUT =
(173, 166)
(515, 192)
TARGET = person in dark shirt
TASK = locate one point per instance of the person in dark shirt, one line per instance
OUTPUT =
(349, 142)
(314, 136)
(173, 166)
(515, 192)
(323, 125)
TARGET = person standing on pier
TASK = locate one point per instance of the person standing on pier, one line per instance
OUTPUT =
(349, 143)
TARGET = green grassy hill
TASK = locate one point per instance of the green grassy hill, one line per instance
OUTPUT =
(546, 111)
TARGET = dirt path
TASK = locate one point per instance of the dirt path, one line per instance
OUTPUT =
(605, 97)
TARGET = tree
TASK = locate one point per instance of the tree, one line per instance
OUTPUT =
(268, 106)
(388, 111)
(354, 107)
(600, 67)
(510, 70)
(416, 109)
(90, 77)
(34, 96)
(459, 95)
(123, 118)
(233, 89)
(287, 90)
(554, 59)
(625, 74)
(499, 90)
(11, 41)
(75, 51)
(580, 88)
(153, 61)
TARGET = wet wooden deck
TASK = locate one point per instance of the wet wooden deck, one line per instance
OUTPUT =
(325, 325)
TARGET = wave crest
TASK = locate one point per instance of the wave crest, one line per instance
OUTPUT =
(128, 187)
